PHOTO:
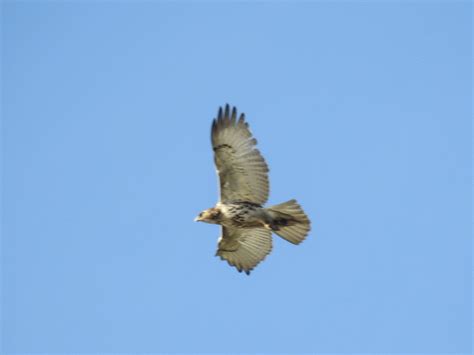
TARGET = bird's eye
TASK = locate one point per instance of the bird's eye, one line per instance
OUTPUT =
(200, 214)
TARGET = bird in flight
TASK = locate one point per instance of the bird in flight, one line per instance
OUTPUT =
(247, 226)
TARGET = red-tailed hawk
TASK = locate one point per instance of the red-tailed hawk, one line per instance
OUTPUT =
(243, 177)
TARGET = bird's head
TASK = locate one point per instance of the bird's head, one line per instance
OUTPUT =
(211, 215)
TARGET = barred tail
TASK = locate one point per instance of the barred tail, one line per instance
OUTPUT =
(289, 221)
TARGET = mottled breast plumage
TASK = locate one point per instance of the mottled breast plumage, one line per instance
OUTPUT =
(241, 214)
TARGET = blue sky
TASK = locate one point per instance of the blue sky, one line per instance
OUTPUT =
(363, 112)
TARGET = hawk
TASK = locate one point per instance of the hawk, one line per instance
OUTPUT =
(247, 226)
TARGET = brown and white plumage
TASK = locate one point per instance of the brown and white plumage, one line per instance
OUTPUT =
(243, 180)
(244, 248)
(243, 173)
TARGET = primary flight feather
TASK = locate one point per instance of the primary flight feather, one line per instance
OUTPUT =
(243, 179)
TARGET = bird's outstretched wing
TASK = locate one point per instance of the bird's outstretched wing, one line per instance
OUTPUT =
(243, 173)
(244, 248)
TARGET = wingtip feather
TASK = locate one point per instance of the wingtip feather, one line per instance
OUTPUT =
(234, 115)
(227, 110)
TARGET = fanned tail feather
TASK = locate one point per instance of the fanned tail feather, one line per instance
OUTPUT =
(289, 221)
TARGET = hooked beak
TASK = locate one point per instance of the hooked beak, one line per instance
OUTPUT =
(197, 219)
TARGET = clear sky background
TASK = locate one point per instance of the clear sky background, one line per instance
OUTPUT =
(362, 110)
